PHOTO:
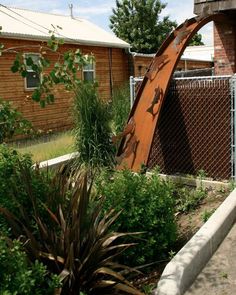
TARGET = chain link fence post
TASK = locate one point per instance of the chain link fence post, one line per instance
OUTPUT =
(233, 126)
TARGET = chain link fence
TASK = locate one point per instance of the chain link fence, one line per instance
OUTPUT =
(196, 128)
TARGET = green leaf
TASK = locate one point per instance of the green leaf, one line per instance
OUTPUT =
(45, 62)
(35, 67)
(24, 73)
(54, 47)
(29, 61)
(42, 103)
(36, 95)
(50, 98)
(14, 69)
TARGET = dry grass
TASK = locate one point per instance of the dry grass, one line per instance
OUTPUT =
(53, 147)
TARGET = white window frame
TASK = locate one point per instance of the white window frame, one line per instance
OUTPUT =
(28, 54)
(93, 70)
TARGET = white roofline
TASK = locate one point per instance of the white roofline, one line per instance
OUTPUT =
(31, 27)
(66, 40)
(151, 55)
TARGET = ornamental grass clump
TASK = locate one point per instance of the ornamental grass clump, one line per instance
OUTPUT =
(72, 237)
(147, 206)
(92, 127)
(120, 107)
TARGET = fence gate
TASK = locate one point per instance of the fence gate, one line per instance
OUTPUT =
(197, 130)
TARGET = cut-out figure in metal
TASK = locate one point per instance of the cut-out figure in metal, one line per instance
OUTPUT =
(129, 129)
(157, 96)
(130, 148)
(180, 35)
(157, 64)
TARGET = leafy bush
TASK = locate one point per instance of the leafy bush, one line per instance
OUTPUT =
(12, 189)
(11, 122)
(92, 127)
(72, 238)
(147, 206)
(187, 199)
(120, 108)
(206, 214)
(19, 278)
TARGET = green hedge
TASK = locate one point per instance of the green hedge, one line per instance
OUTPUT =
(147, 206)
(17, 277)
(12, 187)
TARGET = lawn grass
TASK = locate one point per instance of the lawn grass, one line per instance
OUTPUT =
(45, 149)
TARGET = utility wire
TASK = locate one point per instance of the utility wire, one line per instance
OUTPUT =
(33, 22)
(22, 22)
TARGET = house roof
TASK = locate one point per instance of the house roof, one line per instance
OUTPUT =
(201, 53)
(34, 25)
(194, 53)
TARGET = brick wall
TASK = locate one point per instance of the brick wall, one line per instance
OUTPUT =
(225, 45)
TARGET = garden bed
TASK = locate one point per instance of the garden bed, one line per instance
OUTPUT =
(188, 222)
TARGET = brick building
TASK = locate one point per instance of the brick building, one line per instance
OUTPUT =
(224, 34)
(26, 31)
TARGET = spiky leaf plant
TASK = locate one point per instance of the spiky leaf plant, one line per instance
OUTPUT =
(73, 238)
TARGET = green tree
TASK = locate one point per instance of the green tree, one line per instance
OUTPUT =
(138, 22)
(196, 40)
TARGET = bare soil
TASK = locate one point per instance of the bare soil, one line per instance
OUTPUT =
(188, 224)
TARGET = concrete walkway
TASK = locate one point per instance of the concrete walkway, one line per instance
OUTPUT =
(219, 275)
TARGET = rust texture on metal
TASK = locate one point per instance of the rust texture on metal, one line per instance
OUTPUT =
(155, 67)
(194, 129)
(129, 129)
(145, 123)
(180, 35)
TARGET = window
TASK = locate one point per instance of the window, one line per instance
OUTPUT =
(32, 79)
(89, 72)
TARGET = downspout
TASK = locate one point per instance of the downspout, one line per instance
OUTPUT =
(110, 72)
(131, 65)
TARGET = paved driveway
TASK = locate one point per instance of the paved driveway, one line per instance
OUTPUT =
(219, 275)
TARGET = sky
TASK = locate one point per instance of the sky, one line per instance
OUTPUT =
(98, 11)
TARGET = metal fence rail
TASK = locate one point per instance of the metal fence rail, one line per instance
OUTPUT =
(197, 130)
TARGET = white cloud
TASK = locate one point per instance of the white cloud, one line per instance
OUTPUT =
(85, 11)
(44, 5)
(207, 34)
(93, 10)
(183, 11)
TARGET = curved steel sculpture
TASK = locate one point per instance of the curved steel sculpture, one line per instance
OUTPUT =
(138, 134)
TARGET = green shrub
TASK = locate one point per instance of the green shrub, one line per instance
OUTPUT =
(13, 192)
(147, 206)
(188, 199)
(18, 277)
(72, 237)
(92, 127)
(120, 108)
(11, 122)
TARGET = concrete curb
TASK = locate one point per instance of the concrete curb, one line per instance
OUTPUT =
(183, 269)
(197, 182)
(55, 163)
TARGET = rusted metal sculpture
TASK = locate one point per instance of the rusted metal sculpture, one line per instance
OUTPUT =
(156, 65)
(157, 97)
(137, 139)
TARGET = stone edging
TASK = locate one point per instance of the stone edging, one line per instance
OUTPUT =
(57, 162)
(183, 269)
